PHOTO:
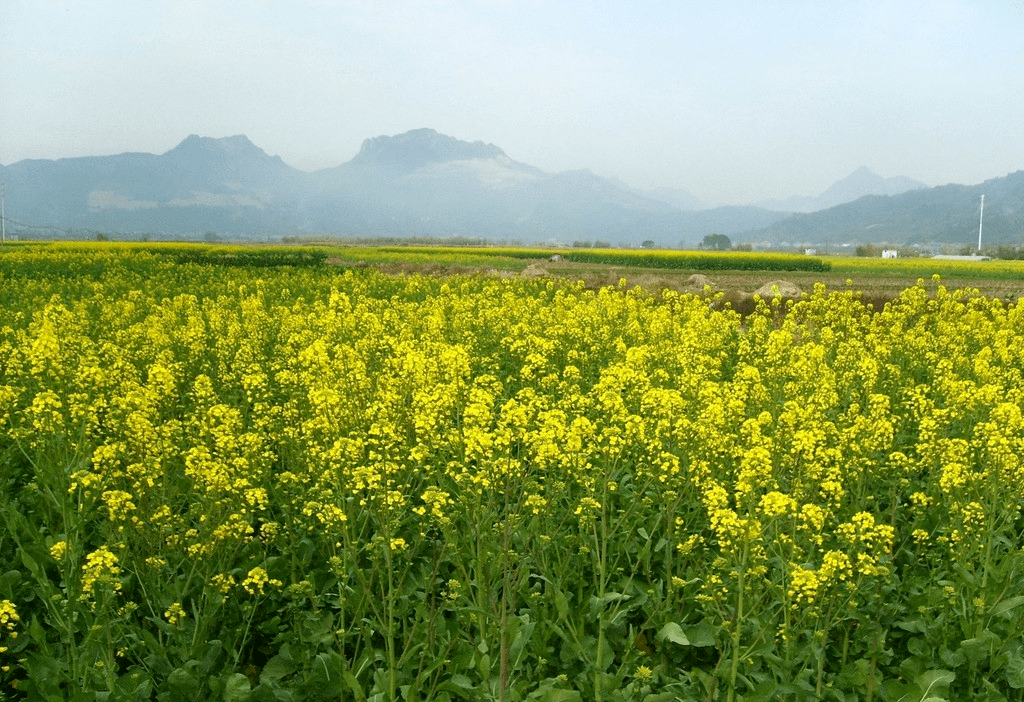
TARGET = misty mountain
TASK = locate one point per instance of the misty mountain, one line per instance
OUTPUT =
(421, 183)
(419, 147)
(200, 185)
(853, 187)
(946, 215)
(676, 197)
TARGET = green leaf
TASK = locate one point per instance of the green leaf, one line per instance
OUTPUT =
(464, 693)
(904, 692)
(674, 633)
(519, 640)
(966, 576)
(1015, 670)
(1006, 605)
(9, 580)
(182, 685)
(33, 566)
(592, 649)
(46, 672)
(701, 635)
(934, 683)
(554, 695)
(327, 672)
(954, 659)
(855, 673)
(237, 688)
(561, 602)
(483, 666)
(977, 649)
(133, 685)
(353, 684)
(915, 626)
(277, 668)
(210, 654)
(461, 682)
(919, 647)
(597, 604)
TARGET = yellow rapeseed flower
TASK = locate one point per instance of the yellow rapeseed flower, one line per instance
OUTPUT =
(174, 613)
(58, 550)
(257, 580)
(101, 571)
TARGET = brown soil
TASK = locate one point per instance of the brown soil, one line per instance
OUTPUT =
(738, 288)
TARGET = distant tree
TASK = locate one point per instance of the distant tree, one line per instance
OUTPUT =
(716, 242)
(648, 244)
(100, 236)
(602, 244)
(211, 237)
(868, 251)
(743, 247)
(966, 250)
(1010, 253)
(581, 244)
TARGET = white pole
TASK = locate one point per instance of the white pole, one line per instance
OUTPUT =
(981, 221)
(3, 215)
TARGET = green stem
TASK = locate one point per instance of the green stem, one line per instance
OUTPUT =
(737, 625)
(602, 585)
(245, 632)
(389, 619)
(506, 585)
(988, 556)
(870, 692)
(821, 666)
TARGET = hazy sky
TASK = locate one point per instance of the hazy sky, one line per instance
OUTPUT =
(734, 101)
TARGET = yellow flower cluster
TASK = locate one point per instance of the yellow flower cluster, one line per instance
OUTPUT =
(257, 580)
(100, 572)
(9, 617)
(250, 433)
(174, 613)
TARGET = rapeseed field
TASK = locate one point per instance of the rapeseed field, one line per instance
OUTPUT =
(240, 482)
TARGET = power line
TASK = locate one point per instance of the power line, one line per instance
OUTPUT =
(33, 226)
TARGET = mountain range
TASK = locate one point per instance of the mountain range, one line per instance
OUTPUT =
(423, 183)
(948, 214)
(854, 186)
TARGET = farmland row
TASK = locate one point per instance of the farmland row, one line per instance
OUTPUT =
(312, 483)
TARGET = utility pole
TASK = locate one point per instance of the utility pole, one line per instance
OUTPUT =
(981, 221)
(3, 215)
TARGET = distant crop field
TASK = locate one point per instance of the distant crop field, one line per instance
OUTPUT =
(231, 477)
(737, 273)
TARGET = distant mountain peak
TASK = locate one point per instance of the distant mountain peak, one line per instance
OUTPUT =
(865, 182)
(238, 146)
(861, 182)
(420, 147)
(236, 149)
(237, 143)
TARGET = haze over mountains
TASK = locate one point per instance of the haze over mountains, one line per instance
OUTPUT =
(423, 183)
(854, 186)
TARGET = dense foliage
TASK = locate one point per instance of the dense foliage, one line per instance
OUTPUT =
(304, 483)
